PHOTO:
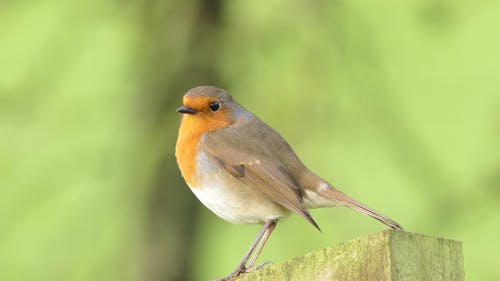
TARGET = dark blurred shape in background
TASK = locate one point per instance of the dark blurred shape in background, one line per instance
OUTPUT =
(179, 41)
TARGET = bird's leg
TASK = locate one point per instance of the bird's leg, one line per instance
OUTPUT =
(263, 241)
(241, 266)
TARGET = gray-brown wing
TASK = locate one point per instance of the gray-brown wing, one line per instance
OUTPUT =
(243, 157)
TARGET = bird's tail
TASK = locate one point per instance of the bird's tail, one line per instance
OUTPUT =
(345, 200)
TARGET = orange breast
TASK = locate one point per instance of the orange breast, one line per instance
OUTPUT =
(190, 132)
(186, 151)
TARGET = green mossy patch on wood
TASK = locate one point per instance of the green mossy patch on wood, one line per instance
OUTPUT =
(385, 256)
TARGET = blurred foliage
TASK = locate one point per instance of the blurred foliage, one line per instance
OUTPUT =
(397, 103)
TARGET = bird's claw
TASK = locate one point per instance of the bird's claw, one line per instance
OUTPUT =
(242, 269)
(258, 267)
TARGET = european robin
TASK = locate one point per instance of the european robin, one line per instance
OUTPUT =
(245, 172)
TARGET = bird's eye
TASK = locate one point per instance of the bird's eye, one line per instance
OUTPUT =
(214, 106)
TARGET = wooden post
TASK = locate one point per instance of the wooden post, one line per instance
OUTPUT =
(389, 255)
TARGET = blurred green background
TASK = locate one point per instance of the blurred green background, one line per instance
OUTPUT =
(395, 102)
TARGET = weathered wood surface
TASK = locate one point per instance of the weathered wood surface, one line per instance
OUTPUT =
(385, 256)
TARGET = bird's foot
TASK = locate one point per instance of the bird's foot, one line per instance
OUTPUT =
(258, 267)
(242, 269)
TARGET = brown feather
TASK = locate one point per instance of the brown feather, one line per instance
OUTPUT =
(249, 164)
(345, 200)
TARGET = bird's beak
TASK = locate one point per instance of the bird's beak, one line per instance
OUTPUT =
(186, 109)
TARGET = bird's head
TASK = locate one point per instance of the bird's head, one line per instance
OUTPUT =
(206, 108)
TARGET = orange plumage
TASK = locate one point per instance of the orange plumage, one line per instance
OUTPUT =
(192, 129)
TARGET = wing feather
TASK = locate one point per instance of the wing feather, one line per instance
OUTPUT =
(251, 165)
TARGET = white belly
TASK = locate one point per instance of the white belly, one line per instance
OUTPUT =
(231, 199)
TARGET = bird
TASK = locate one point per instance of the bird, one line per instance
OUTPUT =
(245, 172)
